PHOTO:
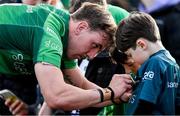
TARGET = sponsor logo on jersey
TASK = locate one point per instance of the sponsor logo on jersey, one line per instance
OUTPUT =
(53, 45)
(19, 65)
(132, 99)
(50, 30)
(172, 84)
(148, 75)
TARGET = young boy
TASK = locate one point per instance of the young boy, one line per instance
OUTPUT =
(158, 91)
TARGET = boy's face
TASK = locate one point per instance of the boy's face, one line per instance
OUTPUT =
(131, 66)
(141, 52)
(137, 55)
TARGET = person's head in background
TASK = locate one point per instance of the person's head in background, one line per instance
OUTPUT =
(126, 60)
(125, 4)
(9, 1)
(150, 6)
(138, 35)
(35, 2)
(75, 4)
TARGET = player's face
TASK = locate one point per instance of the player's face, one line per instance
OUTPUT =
(87, 44)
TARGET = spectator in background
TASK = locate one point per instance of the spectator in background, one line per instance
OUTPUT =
(125, 4)
(9, 1)
(167, 15)
(158, 90)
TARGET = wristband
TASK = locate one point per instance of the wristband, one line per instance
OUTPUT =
(107, 94)
(116, 101)
(101, 95)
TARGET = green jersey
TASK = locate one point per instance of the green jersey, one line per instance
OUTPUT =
(31, 34)
(117, 13)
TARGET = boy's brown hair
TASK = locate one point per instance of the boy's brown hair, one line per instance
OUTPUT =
(137, 25)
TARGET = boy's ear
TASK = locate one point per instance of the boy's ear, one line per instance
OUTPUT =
(141, 43)
(82, 25)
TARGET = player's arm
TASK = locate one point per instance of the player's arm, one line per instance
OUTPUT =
(58, 94)
(77, 79)
(61, 95)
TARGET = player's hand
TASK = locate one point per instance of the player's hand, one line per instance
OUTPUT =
(17, 107)
(126, 96)
(120, 84)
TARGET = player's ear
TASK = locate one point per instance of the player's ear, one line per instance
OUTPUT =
(81, 26)
(141, 43)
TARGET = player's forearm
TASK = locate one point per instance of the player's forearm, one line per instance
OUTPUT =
(60, 95)
(74, 98)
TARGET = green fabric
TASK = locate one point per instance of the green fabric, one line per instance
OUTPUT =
(33, 34)
(107, 111)
(117, 13)
(119, 109)
(66, 3)
(113, 110)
